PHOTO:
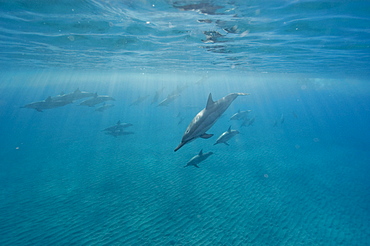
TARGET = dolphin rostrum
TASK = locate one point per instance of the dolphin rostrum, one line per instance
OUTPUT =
(198, 159)
(226, 136)
(206, 118)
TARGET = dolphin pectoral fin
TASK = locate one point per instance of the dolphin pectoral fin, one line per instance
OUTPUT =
(38, 110)
(227, 144)
(196, 166)
(206, 135)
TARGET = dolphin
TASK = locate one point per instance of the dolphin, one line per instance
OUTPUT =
(198, 159)
(206, 118)
(96, 100)
(118, 126)
(104, 107)
(240, 115)
(179, 89)
(251, 121)
(156, 96)
(76, 95)
(168, 99)
(226, 136)
(48, 103)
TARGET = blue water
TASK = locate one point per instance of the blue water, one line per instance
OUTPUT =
(297, 176)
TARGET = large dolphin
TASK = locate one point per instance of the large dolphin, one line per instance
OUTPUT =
(198, 159)
(226, 136)
(206, 118)
(48, 103)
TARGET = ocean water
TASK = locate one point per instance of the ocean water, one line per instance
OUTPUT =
(297, 174)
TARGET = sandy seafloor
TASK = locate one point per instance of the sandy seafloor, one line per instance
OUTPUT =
(303, 182)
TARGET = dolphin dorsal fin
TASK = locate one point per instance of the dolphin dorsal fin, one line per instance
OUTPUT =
(119, 122)
(239, 111)
(201, 152)
(62, 93)
(48, 99)
(210, 101)
(229, 130)
(96, 94)
(77, 90)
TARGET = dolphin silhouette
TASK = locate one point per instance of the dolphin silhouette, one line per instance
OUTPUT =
(198, 159)
(96, 100)
(48, 103)
(226, 136)
(206, 118)
(76, 95)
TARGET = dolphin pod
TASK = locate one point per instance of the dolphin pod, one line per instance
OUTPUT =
(64, 99)
(206, 118)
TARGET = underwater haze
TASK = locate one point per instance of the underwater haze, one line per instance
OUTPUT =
(95, 96)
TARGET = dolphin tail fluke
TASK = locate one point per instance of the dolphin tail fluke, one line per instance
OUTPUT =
(206, 135)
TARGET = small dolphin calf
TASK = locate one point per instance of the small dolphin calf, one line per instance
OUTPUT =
(206, 118)
(240, 115)
(96, 100)
(198, 159)
(76, 95)
(168, 100)
(104, 107)
(226, 136)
